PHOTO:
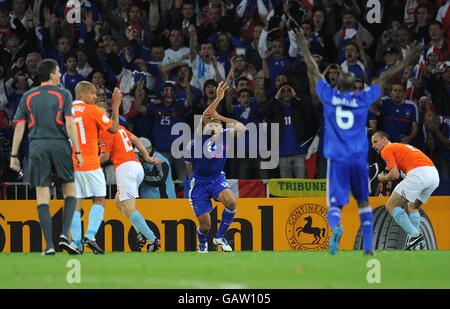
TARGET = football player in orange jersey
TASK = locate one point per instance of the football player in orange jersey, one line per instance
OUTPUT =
(119, 149)
(422, 178)
(89, 178)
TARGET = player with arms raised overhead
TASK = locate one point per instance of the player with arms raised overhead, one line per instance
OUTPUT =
(422, 178)
(89, 178)
(346, 144)
(206, 162)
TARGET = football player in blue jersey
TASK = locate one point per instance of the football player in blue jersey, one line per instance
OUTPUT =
(345, 141)
(206, 161)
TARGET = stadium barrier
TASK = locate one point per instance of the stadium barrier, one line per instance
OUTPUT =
(260, 224)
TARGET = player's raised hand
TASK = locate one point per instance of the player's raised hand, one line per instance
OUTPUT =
(220, 91)
(116, 99)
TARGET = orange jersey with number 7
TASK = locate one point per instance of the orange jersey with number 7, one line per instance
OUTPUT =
(118, 145)
(405, 157)
(89, 120)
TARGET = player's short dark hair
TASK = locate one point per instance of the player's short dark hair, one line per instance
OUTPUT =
(45, 68)
(382, 134)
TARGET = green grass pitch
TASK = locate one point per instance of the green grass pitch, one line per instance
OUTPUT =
(293, 269)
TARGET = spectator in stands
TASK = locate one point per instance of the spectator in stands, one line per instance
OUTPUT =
(438, 39)
(177, 50)
(391, 58)
(420, 27)
(71, 77)
(438, 141)
(166, 113)
(400, 116)
(298, 127)
(158, 181)
(246, 112)
(352, 63)
(251, 50)
(203, 63)
(443, 16)
(83, 66)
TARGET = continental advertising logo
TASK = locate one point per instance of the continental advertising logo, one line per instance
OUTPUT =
(307, 228)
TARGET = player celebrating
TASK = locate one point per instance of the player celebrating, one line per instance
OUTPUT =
(208, 180)
(129, 175)
(346, 144)
(422, 178)
(89, 178)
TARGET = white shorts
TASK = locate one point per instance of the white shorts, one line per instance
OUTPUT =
(419, 184)
(90, 183)
(129, 176)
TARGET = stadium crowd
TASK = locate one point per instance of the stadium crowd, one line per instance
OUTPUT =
(167, 57)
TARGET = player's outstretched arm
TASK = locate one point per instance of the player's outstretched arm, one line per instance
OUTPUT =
(412, 53)
(313, 69)
(144, 153)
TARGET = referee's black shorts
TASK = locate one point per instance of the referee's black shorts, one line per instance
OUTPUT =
(50, 156)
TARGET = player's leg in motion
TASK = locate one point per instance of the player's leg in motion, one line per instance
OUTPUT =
(227, 198)
(394, 207)
(204, 221)
(75, 227)
(128, 208)
(95, 220)
(359, 179)
(45, 219)
(338, 187)
(366, 219)
(70, 202)
(413, 213)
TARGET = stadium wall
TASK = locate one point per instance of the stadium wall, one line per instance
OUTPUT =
(260, 224)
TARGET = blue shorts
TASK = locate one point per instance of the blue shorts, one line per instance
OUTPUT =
(202, 190)
(343, 176)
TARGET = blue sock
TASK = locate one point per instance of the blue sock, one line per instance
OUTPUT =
(202, 238)
(334, 217)
(227, 218)
(75, 227)
(415, 219)
(95, 220)
(139, 223)
(366, 219)
(402, 219)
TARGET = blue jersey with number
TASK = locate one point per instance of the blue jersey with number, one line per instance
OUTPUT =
(208, 156)
(345, 115)
(165, 117)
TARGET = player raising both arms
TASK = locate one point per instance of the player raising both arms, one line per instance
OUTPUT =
(206, 162)
(89, 178)
(346, 144)
(118, 147)
(422, 178)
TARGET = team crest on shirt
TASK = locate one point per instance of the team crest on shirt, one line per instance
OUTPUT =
(307, 228)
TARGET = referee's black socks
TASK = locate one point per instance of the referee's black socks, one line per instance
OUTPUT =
(46, 224)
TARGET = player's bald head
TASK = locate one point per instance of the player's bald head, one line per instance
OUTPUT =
(346, 82)
(82, 88)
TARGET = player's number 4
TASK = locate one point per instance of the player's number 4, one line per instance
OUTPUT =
(344, 119)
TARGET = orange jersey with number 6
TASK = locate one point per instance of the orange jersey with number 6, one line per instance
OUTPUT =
(405, 157)
(118, 145)
(89, 120)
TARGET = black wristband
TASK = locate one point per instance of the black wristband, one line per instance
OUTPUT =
(13, 156)
(77, 153)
